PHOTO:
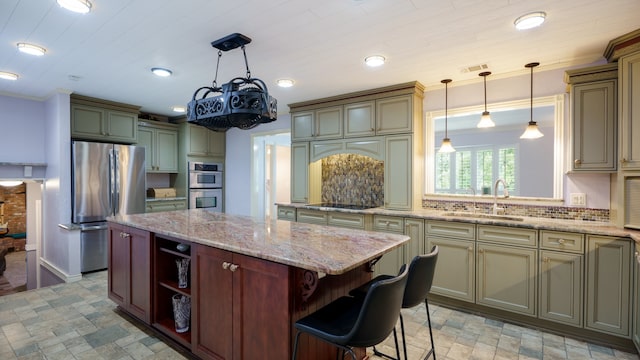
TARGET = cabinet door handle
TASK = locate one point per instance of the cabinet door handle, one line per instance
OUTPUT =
(470, 248)
(125, 235)
(624, 161)
(233, 267)
(225, 265)
(546, 259)
(577, 161)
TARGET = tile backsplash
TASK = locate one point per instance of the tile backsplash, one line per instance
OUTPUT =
(550, 212)
(353, 179)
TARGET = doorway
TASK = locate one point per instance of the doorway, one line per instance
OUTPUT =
(270, 173)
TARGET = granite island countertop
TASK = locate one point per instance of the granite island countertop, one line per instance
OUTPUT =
(325, 249)
(580, 226)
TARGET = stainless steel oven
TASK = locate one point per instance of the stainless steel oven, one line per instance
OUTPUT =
(205, 175)
(205, 186)
(205, 199)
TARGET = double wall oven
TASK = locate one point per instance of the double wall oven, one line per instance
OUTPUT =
(205, 186)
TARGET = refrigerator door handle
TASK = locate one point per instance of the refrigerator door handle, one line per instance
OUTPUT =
(115, 192)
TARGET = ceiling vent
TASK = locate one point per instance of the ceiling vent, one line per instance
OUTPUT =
(474, 68)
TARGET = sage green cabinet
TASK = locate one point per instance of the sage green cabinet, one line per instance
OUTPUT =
(166, 205)
(506, 278)
(360, 119)
(506, 273)
(455, 270)
(594, 104)
(96, 123)
(608, 304)
(201, 141)
(320, 124)
(300, 172)
(398, 167)
(286, 213)
(561, 276)
(161, 146)
(395, 115)
(390, 262)
(309, 216)
(635, 333)
(629, 70)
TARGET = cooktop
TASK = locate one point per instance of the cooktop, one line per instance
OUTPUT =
(344, 206)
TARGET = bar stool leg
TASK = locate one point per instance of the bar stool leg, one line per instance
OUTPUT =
(433, 350)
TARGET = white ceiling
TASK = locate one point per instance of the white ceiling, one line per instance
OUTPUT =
(319, 43)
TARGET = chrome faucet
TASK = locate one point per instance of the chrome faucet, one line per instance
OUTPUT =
(495, 195)
(473, 191)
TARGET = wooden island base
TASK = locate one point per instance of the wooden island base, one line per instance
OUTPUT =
(242, 307)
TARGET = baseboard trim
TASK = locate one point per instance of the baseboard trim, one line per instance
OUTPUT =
(59, 273)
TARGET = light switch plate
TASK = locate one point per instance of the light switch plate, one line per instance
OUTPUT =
(578, 199)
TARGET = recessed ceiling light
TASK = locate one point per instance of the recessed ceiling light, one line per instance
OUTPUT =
(79, 6)
(374, 60)
(530, 20)
(285, 83)
(161, 72)
(179, 109)
(8, 76)
(31, 49)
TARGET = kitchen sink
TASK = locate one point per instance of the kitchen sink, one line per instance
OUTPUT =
(483, 216)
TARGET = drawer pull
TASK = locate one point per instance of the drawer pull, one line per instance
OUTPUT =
(233, 267)
(225, 265)
(470, 248)
(561, 241)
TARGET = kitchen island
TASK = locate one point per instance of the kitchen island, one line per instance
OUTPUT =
(249, 280)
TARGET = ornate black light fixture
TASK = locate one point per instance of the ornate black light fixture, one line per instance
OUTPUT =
(242, 102)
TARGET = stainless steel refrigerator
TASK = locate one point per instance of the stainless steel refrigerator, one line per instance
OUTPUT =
(108, 179)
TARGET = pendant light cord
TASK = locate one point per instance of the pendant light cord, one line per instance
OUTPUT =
(531, 107)
(485, 92)
(446, 106)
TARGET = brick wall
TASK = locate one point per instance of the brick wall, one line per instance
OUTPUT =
(15, 215)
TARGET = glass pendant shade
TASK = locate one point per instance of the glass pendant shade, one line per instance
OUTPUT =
(446, 142)
(532, 131)
(485, 120)
(446, 146)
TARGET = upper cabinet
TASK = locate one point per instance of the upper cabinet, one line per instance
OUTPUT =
(384, 124)
(629, 67)
(325, 123)
(95, 119)
(161, 143)
(200, 141)
(594, 105)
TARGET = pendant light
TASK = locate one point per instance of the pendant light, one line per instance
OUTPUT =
(532, 131)
(485, 120)
(446, 142)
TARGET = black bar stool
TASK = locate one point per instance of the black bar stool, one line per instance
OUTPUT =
(362, 321)
(420, 279)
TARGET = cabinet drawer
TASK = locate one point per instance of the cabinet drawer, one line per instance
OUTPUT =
(286, 213)
(455, 230)
(559, 240)
(388, 223)
(508, 235)
(158, 206)
(356, 221)
(311, 216)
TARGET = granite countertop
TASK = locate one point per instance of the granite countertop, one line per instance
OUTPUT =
(325, 249)
(587, 227)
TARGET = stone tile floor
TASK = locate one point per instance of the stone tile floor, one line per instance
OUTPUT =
(77, 321)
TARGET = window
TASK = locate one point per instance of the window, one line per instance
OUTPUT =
(531, 168)
(475, 168)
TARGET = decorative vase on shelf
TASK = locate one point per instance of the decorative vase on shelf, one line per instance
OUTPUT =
(181, 312)
(183, 273)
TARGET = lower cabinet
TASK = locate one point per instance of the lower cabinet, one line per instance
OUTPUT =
(608, 290)
(636, 298)
(391, 262)
(561, 287)
(166, 205)
(506, 278)
(455, 270)
(130, 249)
(242, 298)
